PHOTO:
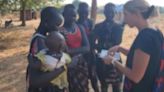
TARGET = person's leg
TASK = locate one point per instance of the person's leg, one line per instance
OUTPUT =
(92, 72)
(100, 74)
(116, 87)
(93, 77)
(104, 86)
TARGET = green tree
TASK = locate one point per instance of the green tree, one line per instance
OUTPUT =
(6, 6)
(34, 4)
(22, 5)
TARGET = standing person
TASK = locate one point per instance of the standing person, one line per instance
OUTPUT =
(143, 57)
(119, 16)
(83, 12)
(38, 81)
(78, 45)
(106, 35)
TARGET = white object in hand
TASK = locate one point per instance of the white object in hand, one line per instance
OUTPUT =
(116, 57)
(103, 53)
(52, 63)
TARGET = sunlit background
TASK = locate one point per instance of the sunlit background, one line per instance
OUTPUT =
(103, 2)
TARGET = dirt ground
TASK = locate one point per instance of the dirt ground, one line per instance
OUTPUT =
(14, 45)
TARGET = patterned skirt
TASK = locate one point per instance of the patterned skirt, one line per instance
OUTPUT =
(48, 88)
(107, 73)
(78, 75)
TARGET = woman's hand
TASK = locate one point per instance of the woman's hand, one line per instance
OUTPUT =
(74, 62)
(113, 50)
(108, 59)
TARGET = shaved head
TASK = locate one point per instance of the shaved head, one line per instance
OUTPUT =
(55, 41)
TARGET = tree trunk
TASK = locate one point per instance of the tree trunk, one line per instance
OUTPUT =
(23, 4)
(94, 10)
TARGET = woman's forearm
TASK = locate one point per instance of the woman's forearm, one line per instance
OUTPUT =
(123, 50)
(45, 78)
(138, 68)
(127, 72)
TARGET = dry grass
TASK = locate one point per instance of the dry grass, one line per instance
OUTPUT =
(14, 47)
(14, 44)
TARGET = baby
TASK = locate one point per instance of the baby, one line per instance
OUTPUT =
(53, 57)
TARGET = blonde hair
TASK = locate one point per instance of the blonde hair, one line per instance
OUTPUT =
(143, 7)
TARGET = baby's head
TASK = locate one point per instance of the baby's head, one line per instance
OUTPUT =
(55, 42)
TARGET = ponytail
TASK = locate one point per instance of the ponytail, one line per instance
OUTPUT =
(149, 12)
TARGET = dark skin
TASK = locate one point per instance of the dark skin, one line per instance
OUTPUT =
(70, 18)
(83, 13)
(44, 78)
(55, 42)
(109, 12)
(41, 79)
(48, 21)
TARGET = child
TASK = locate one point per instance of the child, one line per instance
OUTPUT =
(53, 57)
